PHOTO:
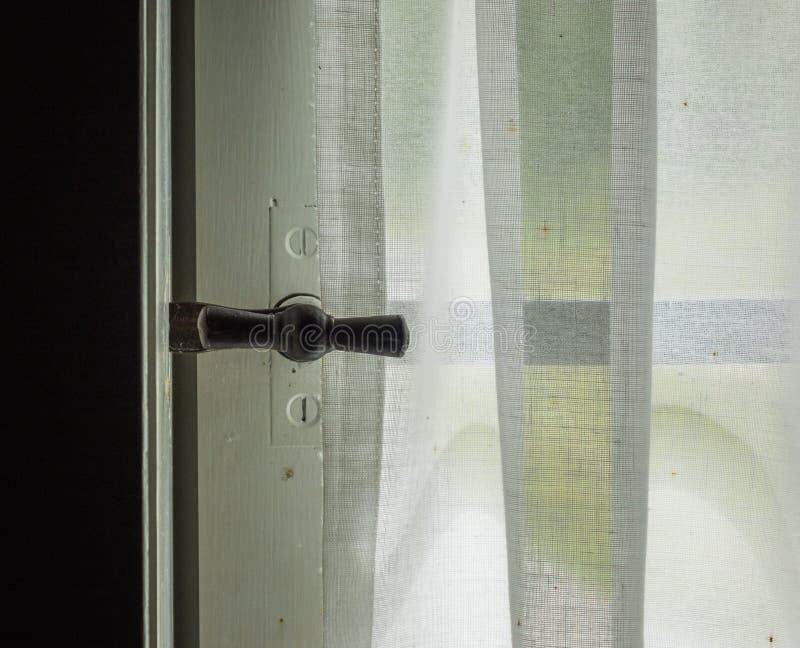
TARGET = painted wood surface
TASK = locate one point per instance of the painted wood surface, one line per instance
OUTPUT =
(259, 504)
(155, 295)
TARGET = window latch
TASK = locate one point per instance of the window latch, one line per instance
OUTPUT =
(301, 332)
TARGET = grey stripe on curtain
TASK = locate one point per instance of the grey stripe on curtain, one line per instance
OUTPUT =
(478, 155)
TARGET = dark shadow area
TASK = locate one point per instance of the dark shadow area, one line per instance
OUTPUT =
(72, 345)
(184, 367)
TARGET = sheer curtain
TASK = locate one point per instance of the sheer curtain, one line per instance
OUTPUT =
(488, 169)
(723, 555)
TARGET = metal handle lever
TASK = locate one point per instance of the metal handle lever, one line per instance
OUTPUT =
(300, 332)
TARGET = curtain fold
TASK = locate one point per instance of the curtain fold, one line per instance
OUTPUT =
(633, 227)
(498, 76)
(489, 170)
(352, 268)
(568, 113)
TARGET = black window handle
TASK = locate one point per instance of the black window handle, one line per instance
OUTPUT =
(300, 332)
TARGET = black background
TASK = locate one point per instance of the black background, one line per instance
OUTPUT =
(72, 439)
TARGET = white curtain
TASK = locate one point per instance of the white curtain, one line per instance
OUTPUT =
(569, 205)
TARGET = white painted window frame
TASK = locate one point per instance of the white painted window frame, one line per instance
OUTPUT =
(258, 538)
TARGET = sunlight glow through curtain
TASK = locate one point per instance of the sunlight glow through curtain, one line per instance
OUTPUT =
(488, 169)
(723, 559)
